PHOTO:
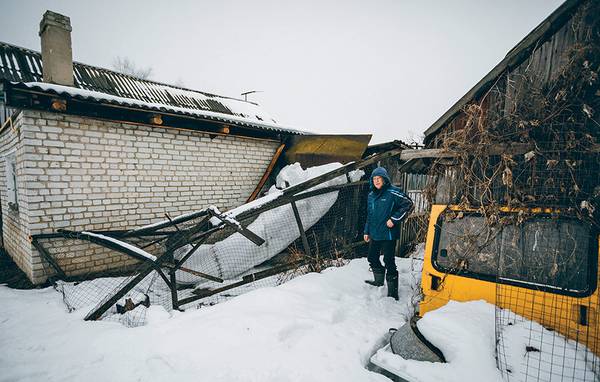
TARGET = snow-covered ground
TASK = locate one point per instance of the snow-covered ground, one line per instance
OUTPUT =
(465, 333)
(316, 327)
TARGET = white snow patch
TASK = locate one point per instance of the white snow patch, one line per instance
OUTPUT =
(317, 327)
(132, 248)
(277, 227)
(465, 333)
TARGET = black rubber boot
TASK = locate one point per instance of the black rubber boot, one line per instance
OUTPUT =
(392, 284)
(378, 275)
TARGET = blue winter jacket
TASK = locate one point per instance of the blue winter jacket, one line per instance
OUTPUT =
(387, 203)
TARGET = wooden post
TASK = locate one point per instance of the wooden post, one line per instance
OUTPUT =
(48, 257)
(301, 229)
(97, 313)
(267, 173)
(174, 298)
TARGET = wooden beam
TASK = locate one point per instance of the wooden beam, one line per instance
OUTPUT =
(245, 280)
(97, 313)
(40, 248)
(58, 104)
(497, 149)
(267, 173)
(301, 229)
(8, 122)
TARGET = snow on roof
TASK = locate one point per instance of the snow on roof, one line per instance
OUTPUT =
(24, 67)
(122, 101)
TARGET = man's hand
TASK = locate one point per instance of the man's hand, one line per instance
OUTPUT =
(366, 238)
(390, 223)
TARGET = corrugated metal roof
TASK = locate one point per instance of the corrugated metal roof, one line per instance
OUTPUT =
(20, 65)
(109, 99)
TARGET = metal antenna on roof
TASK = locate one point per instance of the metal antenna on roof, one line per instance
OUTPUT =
(245, 94)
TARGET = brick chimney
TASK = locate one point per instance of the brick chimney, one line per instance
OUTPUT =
(57, 56)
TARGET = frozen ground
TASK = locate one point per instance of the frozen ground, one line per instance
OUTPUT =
(317, 327)
(465, 333)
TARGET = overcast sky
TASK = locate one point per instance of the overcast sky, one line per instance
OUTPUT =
(385, 67)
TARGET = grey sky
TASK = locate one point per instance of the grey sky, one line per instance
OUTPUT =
(386, 67)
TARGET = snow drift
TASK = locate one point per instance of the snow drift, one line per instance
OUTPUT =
(235, 255)
(465, 333)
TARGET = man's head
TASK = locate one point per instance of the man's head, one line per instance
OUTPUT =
(379, 178)
(378, 182)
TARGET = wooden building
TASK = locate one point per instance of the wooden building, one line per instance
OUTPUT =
(527, 134)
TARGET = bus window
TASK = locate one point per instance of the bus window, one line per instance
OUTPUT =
(555, 254)
(549, 252)
(468, 245)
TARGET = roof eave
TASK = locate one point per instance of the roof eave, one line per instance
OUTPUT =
(243, 127)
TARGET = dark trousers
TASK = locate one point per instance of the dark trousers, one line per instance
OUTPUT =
(388, 248)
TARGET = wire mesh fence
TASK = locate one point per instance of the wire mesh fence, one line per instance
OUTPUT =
(414, 229)
(544, 268)
(558, 341)
(557, 174)
(207, 256)
(547, 272)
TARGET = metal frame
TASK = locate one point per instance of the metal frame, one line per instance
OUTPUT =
(174, 238)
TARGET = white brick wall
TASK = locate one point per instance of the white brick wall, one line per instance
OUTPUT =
(83, 173)
(15, 224)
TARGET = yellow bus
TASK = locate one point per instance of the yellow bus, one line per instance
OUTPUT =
(539, 263)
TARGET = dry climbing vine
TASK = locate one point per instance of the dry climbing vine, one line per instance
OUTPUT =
(556, 117)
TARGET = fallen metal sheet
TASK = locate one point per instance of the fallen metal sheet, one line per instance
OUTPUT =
(314, 150)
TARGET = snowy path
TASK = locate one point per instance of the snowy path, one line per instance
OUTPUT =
(318, 327)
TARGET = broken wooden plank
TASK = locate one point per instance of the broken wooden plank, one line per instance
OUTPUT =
(40, 248)
(301, 229)
(238, 227)
(193, 272)
(98, 312)
(111, 243)
(245, 280)
(267, 173)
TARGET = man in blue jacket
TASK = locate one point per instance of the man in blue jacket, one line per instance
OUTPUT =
(387, 206)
